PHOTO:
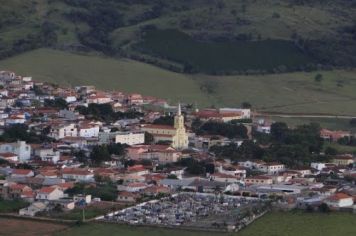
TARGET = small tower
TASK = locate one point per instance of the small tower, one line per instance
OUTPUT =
(179, 118)
(180, 140)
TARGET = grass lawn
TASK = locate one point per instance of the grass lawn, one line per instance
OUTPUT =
(273, 224)
(11, 206)
(342, 149)
(291, 92)
(77, 214)
(295, 224)
(329, 123)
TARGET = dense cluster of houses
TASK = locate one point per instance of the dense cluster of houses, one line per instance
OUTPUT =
(41, 173)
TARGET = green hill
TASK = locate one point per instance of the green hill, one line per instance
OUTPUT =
(288, 92)
(287, 35)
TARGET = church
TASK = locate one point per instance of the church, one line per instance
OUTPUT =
(175, 134)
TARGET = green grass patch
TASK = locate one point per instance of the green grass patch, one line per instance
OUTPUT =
(217, 57)
(328, 123)
(342, 149)
(273, 224)
(77, 214)
(9, 206)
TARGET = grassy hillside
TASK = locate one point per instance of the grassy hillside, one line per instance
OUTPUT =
(244, 30)
(273, 224)
(290, 92)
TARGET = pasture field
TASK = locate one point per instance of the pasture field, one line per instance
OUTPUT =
(16, 227)
(214, 57)
(290, 92)
(329, 123)
(273, 224)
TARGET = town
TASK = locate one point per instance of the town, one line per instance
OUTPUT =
(81, 154)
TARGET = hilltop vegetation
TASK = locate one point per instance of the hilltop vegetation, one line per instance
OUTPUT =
(293, 34)
(223, 57)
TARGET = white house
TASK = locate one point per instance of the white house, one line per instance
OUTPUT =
(64, 130)
(49, 193)
(339, 200)
(318, 165)
(132, 187)
(88, 131)
(9, 156)
(232, 170)
(272, 168)
(48, 154)
(33, 209)
(20, 148)
(129, 138)
(81, 175)
(15, 119)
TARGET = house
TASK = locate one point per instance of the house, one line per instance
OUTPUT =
(20, 148)
(63, 130)
(15, 119)
(132, 187)
(343, 160)
(81, 175)
(16, 191)
(161, 155)
(272, 168)
(134, 99)
(33, 209)
(333, 136)
(236, 171)
(98, 99)
(339, 200)
(156, 190)
(225, 178)
(129, 138)
(137, 170)
(22, 173)
(259, 180)
(9, 156)
(88, 130)
(223, 114)
(49, 193)
(127, 197)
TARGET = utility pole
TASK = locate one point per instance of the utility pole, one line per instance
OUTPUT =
(83, 219)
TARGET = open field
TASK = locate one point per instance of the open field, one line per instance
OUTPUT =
(295, 224)
(291, 92)
(273, 224)
(329, 123)
(15, 227)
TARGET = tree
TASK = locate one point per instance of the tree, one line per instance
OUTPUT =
(324, 208)
(318, 77)
(353, 122)
(246, 105)
(149, 139)
(279, 131)
(330, 151)
(164, 120)
(56, 103)
(172, 176)
(100, 154)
